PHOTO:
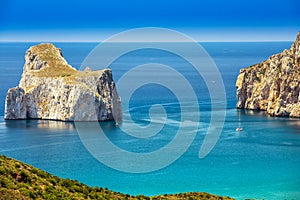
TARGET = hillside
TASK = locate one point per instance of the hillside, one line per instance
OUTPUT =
(20, 181)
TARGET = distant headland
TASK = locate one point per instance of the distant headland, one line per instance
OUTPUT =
(273, 85)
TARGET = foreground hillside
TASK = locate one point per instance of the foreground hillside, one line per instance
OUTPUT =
(19, 181)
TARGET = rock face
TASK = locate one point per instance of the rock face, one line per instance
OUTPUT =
(273, 85)
(52, 89)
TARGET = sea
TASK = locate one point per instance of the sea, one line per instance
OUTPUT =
(262, 161)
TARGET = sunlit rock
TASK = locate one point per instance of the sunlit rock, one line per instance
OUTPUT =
(51, 89)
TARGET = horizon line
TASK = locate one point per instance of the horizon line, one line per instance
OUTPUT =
(94, 41)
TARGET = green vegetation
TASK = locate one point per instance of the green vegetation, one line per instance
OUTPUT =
(256, 78)
(278, 69)
(20, 181)
(262, 72)
(66, 75)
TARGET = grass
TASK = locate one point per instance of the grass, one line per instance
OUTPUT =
(56, 66)
(22, 181)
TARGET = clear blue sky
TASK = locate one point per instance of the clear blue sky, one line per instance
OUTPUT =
(95, 20)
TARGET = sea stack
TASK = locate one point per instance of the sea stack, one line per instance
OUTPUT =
(273, 85)
(52, 89)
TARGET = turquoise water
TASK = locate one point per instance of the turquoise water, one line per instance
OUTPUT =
(262, 161)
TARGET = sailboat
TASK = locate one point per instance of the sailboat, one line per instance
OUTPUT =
(239, 128)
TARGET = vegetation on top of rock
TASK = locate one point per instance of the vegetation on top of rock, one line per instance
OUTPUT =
(50, 61)
(53, 64)
(20, 181)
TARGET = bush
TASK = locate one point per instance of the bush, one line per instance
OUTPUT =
(18, 165)
(42, 174)
(53, 181)
(24, 191)
(24, 177)
(7, 183)
(2, 170)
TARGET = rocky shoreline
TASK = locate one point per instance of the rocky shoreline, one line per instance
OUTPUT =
(273, 85)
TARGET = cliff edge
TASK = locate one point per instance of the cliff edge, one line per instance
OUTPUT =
(273, 85)
(52, 89)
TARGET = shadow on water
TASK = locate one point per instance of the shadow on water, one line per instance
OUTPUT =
(55, 125)
(287, 122)
(48, 136)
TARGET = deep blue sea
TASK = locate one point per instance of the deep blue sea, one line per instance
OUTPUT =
(262, 161)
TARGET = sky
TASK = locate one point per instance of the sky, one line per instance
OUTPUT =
(96, 20)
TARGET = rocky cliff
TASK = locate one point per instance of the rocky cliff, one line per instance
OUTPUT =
(273, 85)
(52, 89)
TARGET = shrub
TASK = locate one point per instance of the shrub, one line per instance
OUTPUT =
(262, 72)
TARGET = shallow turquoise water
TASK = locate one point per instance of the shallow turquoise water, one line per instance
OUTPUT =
(262, 161)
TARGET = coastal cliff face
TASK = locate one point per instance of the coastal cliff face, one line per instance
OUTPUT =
(273, 85)
(52, 89)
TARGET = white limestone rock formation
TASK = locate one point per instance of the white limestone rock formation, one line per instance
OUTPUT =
(52, 89)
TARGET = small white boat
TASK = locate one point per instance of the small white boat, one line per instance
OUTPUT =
(239, 129)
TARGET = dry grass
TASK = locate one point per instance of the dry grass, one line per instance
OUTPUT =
(56, 66)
